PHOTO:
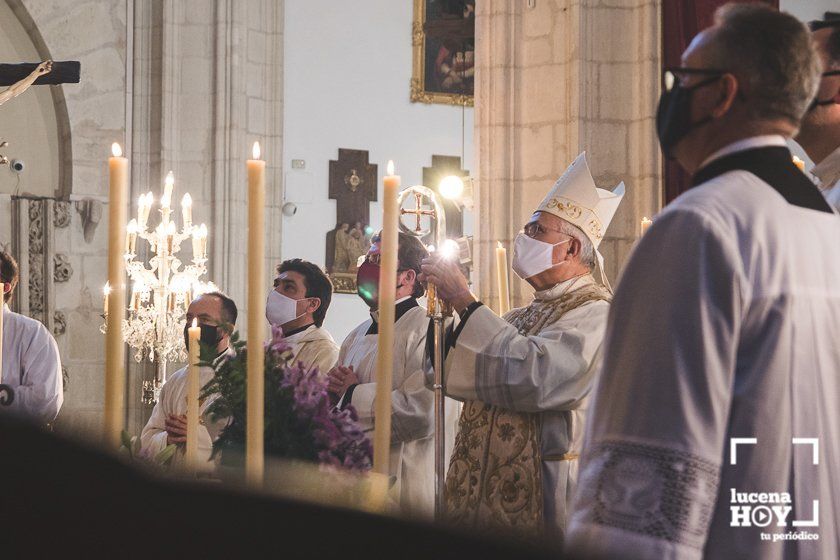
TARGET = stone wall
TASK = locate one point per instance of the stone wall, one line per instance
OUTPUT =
(554, 78)
(185, 85)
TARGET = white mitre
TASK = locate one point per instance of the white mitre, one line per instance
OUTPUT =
(576, 199)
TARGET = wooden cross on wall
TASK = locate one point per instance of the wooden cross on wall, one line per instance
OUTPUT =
(443, 166)
(353, 186)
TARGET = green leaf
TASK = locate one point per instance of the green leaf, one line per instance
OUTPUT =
(166, 454)
(125, 439)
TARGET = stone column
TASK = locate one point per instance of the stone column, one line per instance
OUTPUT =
(554, 78)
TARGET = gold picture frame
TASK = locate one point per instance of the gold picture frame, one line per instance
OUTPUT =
(452, 82)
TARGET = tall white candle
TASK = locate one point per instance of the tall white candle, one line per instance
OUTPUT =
(255, 395)
(2, 306)
(387, 309)
(114, 346)
(194, 333)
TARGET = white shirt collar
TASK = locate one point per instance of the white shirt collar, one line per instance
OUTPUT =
(566, 285)
(828, 170)
(746, 144)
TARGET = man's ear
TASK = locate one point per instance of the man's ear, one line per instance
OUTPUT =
(729, 91)
(314, 304)
(571, 249)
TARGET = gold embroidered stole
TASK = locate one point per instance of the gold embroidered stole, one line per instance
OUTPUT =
(494, 479)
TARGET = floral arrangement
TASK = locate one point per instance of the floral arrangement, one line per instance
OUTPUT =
(300, 423)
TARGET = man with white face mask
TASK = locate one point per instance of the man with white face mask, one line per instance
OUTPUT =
(524, 377)
(298, 305)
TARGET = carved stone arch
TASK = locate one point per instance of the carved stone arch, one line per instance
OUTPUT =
(64, 185)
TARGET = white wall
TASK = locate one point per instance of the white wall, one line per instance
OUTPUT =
(808, 10)
(347, 72)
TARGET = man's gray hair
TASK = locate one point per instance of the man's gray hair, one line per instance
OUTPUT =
(771, 55)
(587, 250)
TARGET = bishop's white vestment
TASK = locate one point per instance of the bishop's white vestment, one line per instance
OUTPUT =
(721, 375)
(31, 367)
(412, 404)
(524, 380)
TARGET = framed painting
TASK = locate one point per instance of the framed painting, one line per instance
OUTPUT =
(443, 38)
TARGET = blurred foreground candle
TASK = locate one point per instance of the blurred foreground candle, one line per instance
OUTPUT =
(385, 339)
(114, 347)
(194, 334)
(255, 394)
(502, 279)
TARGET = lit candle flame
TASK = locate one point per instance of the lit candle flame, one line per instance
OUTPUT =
(170, 179)
(255, 151)
(390, 167)
(186, 202)
(195, 322)
(116, 150)
(499, 243)
(132, 226)
(106, 289)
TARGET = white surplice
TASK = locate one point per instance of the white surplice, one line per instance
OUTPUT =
(173, 400)
(725, 325)
(314, 347)
(827, 173)
(412, 405)
(32, 368)
(549, 373)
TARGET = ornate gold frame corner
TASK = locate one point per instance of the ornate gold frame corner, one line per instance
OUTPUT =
(418, 69)
(343, 282)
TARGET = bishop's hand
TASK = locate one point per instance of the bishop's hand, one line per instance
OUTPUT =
(449, 281)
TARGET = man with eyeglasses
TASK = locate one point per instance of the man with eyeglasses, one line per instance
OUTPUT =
(820, 132)
(524, 377)
(720, 378)
(215, 314)
(353, 380)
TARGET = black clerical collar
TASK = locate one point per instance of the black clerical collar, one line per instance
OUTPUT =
(402, 308)
(297, 330)
(773, 165)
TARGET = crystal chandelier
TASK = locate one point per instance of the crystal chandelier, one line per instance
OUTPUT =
(162, 291)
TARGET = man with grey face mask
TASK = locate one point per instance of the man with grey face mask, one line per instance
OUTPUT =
(524, 377)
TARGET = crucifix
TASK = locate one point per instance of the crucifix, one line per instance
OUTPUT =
(418, 213)
(21, 76)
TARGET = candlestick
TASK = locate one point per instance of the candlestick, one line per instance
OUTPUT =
(646, 223)
(114, 348)
(194, 334)
(502, 279)
(186, 210)
(199, 242)
(385, 338)
(255, 404)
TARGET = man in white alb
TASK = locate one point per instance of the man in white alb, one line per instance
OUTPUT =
(216, 315)
(31, 365)
(720, 378)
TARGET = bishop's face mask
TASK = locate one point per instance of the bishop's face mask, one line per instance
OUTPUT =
(673, 116)
(209, 335)
(532, 256)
